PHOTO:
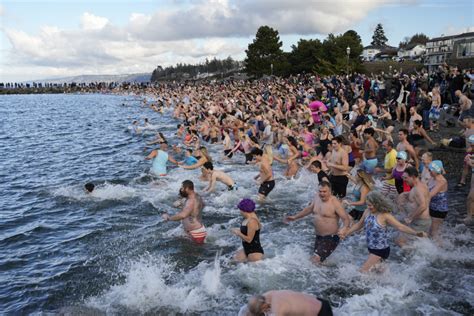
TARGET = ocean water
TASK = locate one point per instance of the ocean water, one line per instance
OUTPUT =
(63, 251)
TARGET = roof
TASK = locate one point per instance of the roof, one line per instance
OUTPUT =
(378, 47)
(411, 46)
(441, 38)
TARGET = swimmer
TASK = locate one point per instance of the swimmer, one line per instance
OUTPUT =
(438, 186)
(375, 220)
(216, 175)
(316, 167)
(285, 302)
(267, 183)
(327, 211)
(415, 203)
(249, 232)
(191, 213)
(370, 151)
(159, 159)
(89, 187)
(339, 166)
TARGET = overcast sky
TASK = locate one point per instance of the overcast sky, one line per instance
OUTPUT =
(54, 38)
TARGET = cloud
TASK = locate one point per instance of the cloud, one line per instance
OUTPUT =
(185, 31)
(93, 22)
(226, 18)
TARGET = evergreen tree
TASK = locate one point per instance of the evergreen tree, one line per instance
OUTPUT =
(379, 39)
(265, 51)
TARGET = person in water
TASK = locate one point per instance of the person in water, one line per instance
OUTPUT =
(249, 232)
(438, 186)
(415, 203)
(286, 302)
(265, 176)
(327, 211)
(159, 159)
(375, 220)
(364, 184)
(216, 175)
(89, 187)
(191, 213)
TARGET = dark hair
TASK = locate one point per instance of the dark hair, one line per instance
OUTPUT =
(256, 152)
(418, 122)
(390, 143)
(189, 150)
(411, 171)
(292, 141)
(317, 164)
(208, 165)
(325, 184)
(369, 131)
(404, 131)
(89, 187)
(188, 184)
(338, 139)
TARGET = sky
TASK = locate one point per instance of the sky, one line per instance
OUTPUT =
(42, 39)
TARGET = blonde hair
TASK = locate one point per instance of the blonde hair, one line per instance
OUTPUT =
(205, 153)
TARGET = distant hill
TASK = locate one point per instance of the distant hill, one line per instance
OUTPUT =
(145, 77)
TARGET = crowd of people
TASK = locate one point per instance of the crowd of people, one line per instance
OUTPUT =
(373, 131)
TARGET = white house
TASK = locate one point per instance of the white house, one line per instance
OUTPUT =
(370, 51)
(412, 51)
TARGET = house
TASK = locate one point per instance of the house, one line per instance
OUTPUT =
(412, 51)
(463, 51)
(370, 52)
(438, 51)
(455, 50)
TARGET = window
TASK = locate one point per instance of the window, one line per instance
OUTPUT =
(465, 49)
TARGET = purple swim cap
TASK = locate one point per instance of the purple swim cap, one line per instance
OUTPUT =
(246, 205)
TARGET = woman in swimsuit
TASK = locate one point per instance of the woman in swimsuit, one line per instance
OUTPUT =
(202, 156)
(293, 155)
(438, 186)
(375, 220)
(249, 232)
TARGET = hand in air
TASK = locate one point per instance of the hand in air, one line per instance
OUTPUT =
(165, 216)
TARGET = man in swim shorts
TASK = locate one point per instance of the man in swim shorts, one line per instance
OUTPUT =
(415, 203)
(216, 175)
(339, 166)
(191, 213)
(327, 211)
(370, 151)
(285, 302)
(267, 183)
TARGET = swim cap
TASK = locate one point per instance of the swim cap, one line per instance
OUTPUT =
(436, 166)
(402, 155)
(471, 139)
(246, 205)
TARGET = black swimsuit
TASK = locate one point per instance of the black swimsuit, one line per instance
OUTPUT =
(253, 246)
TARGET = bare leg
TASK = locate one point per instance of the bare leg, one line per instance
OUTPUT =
(470, 205)
(465, 171)
(240, 256)
(435, 225)
(371, 262)
(261, 198)
(252, 257)
(315, 259)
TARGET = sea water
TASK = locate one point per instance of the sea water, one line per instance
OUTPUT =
(65, 251)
